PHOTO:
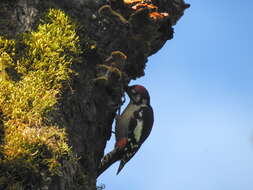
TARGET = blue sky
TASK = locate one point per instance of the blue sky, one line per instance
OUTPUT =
(201, 87)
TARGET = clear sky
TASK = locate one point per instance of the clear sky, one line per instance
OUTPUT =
(201, 87)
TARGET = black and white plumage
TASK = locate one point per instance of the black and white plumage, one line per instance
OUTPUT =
(133, 127)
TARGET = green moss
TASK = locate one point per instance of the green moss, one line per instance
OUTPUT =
(31, 145)
(7, 51)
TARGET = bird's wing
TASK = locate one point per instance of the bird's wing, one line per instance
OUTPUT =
(148, 119)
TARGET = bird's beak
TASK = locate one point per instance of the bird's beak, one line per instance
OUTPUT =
(127, 89)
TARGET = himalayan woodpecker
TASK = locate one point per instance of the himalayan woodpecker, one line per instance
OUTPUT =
(133, 127)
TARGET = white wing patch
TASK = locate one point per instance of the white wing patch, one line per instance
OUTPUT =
(138, 128)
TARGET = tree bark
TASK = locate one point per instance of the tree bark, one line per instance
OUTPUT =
(86, 109)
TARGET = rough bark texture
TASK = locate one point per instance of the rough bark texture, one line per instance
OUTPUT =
(87, 109)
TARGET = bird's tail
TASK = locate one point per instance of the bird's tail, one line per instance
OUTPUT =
(109, 159)
(121, 166)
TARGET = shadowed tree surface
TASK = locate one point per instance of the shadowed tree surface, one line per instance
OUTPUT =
(64, 65)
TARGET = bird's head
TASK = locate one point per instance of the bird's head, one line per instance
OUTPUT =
(138, 94)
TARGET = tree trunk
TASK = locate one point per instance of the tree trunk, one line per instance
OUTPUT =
(89, 100)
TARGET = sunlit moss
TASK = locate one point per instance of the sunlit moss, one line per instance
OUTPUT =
(30, 144)
(7, 51)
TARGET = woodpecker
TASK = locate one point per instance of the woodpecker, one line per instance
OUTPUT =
(133, 127)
